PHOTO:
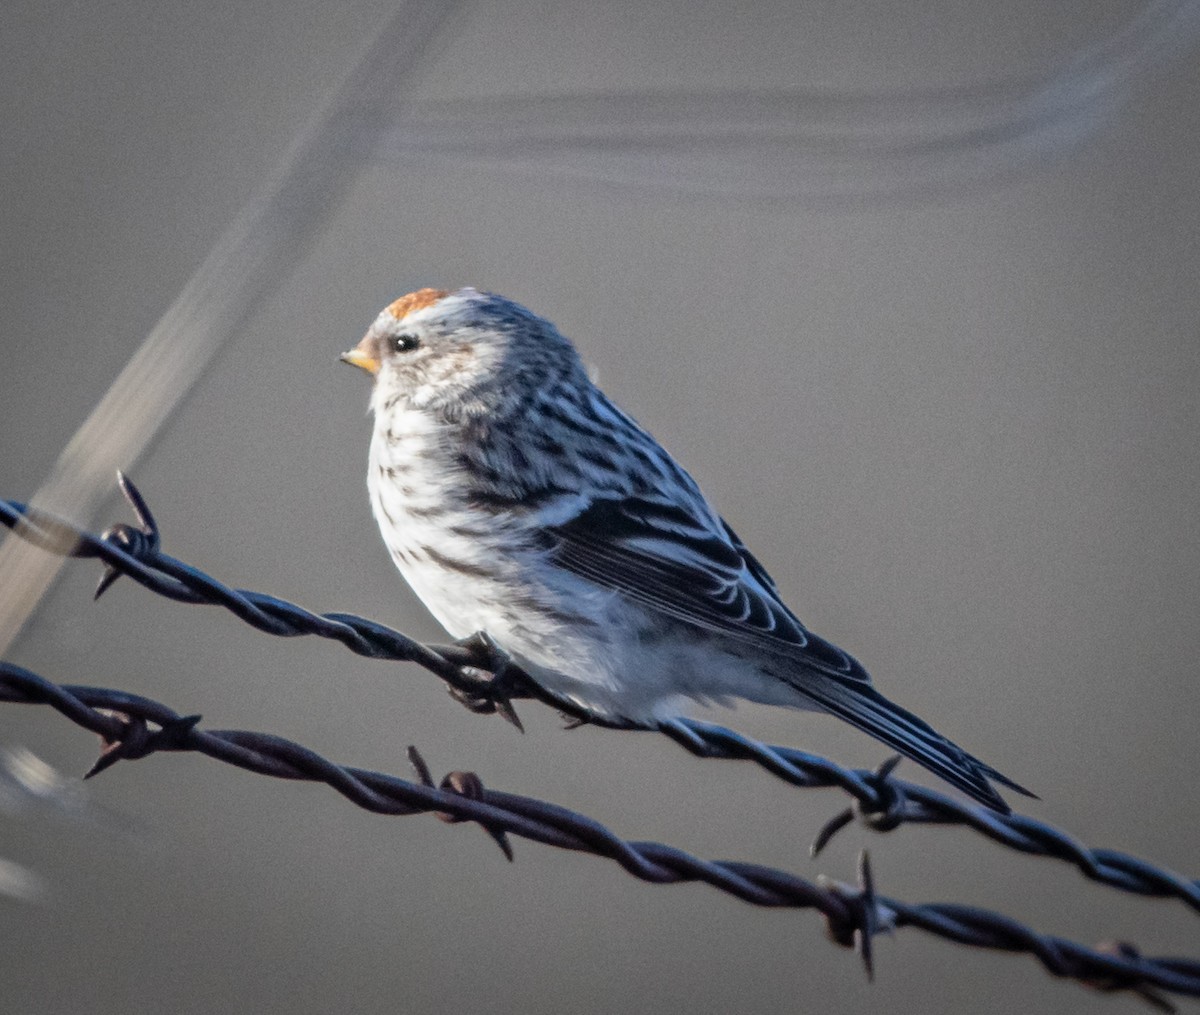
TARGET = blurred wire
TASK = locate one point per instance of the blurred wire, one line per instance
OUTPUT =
(880, 800)
(781, 145)
(27, 781)
(31, 785)
(255, 253)
(133, 727)
(816, 144)
(19, 882)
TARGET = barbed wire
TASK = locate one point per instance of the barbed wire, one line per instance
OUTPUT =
(880, 800)
(132, 726)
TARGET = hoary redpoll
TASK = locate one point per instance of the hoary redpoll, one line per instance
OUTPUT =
(521, 504)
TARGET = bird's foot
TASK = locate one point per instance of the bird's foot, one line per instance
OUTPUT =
(494, 693)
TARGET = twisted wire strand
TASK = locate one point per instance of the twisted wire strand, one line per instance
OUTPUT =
(880, 800)
(133, 726)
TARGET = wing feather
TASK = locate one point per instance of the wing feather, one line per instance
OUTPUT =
(676, 560)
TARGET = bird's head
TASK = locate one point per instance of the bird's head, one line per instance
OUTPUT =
(460, 353)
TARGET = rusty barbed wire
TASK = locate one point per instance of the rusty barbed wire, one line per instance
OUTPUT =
(880, 800)
(132, 726)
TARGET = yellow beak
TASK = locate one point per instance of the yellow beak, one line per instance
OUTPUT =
(362, 356)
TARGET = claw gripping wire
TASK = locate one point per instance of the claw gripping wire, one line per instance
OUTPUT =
(881, 801)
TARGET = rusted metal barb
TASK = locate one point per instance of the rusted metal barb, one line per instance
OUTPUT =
(879, 799)
(133, 727)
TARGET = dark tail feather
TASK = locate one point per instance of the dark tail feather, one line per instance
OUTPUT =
(871, 712)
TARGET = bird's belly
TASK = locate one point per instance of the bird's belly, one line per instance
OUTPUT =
(571, 636)
(458, 584)
(583, 643)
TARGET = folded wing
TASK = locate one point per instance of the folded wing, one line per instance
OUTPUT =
(690, 566)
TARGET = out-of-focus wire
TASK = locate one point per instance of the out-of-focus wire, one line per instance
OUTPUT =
(254, 254)
(789, 145)
(825, 145)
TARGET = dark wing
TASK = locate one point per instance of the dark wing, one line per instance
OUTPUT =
(672, 559)
(690, 565)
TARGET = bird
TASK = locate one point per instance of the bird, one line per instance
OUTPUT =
(526, 510)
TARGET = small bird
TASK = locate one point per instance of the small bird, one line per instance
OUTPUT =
(525, 508)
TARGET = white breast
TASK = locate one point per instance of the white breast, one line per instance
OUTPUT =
(476, 571)
(415, 499)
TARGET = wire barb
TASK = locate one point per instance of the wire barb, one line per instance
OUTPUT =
(865, 916)
(883, 815)
(853, 914)
(142, 541)
(881, 801)
(466, 784)
(1111, 984)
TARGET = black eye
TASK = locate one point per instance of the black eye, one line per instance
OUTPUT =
(403, 343)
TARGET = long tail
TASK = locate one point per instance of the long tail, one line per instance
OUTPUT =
(864, 707)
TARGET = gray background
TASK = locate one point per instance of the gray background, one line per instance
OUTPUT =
(962, 432)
